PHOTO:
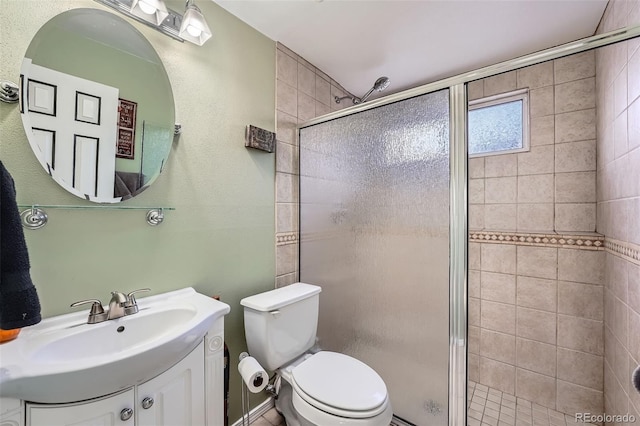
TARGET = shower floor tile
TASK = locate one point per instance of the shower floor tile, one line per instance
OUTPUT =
(490, 407)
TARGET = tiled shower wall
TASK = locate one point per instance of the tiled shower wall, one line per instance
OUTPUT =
(303, 92)
(536, 266)
(618, 112)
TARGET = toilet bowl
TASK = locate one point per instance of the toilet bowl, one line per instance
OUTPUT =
(330, 388)
(314, 389)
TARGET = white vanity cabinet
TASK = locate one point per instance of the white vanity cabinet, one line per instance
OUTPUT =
(175, 397)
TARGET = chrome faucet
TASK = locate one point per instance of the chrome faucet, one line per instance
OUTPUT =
(120, 305)
(116, 305)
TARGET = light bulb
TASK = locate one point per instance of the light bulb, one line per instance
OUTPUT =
(147, 8)
(194, 31)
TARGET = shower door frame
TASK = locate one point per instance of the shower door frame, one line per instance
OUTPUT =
(458, 208)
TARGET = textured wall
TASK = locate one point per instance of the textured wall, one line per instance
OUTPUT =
(618, 102)
(220, 237)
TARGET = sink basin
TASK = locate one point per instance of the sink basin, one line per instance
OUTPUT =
(64, 359)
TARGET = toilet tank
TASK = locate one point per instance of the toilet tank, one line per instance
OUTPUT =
(281, 324)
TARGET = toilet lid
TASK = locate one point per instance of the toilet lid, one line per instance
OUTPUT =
(339, 381)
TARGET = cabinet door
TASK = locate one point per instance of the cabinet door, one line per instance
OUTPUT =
(109, 411)
(176, 397)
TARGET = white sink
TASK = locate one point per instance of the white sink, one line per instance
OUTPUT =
(64, 359)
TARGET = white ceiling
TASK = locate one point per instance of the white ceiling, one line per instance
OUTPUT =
(415, 42)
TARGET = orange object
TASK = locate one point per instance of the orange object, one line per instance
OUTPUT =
(6, 335)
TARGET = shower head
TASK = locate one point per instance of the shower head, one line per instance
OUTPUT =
(380, 84)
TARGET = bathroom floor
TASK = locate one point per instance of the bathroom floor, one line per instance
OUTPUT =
(487, 407)
(491, 407)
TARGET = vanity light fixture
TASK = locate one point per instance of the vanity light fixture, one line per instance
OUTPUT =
(149, 12)
(153, 11)
(194, 27)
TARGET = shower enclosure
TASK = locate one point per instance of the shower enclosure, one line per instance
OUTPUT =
(383, 231)
(374, 211)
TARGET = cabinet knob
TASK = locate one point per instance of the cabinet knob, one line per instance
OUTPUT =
(126, 414)
(147, 403)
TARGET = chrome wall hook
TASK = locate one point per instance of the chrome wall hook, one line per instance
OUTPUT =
(9, 92)
(155, 217)
(33, 218)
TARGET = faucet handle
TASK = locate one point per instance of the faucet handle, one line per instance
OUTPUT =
(131, 303)
(96, 306)
(96, 314)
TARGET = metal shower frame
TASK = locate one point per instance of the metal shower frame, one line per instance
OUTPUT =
(458, 218)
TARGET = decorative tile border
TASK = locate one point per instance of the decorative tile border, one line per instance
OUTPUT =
(286, 238)
(627, 251)
(579, 241)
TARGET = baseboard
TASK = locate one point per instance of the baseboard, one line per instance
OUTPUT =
(258, 411)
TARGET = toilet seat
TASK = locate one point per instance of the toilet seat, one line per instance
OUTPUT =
(340, 385)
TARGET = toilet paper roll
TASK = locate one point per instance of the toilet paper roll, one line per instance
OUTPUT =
(253, 374)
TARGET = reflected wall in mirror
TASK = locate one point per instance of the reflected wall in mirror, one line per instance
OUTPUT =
(97, 105)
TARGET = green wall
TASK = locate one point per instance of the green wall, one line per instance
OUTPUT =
(220, 238)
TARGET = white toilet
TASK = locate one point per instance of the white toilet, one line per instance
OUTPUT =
(323, 388)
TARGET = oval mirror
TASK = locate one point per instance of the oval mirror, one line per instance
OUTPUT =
(96, 105)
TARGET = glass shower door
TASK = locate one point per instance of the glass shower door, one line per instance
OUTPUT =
(374, 229)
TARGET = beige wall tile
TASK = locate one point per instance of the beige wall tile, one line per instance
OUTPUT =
(536, 388)
(476, 168)
(322, 109)
(501, 190)
(474, 311)
(576, 187)
(633, 124)
(499, 258)
(474, 283)
(536, 325)
(323, 91)
(498, 346)
(474, 256)
(473, 365)
(620, 138)
(580, 334)
(476, 216)
(306, 80)
(498, 317)
(634, 334)
(286, 68)
(535, 76)
(583, 266)
(620, 92)
(286, 279)
(581, 368)
(306, 107)
(575, 67)
(537, 293)
(286, 259)
(634, 287)
(475, 90)
(536, 188)
(501, 83)
(537, 262)
(498, 375)
(542, 130)
(474, 340)
(501, 165)
(500, 217)
(287, 99)
(537, 161)
(476, 191)
(575, 156)
(581, 300)
(536, 356)
(575, 126)
(286, 158)
(535, 217)
(577, 399)
(286, 217)
(286, 127)
(541, 102)
(575, 95)
(498, 287)
(575, 217)
(617, 276)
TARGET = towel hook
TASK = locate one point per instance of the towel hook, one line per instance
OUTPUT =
(34, 218)
(155, 216)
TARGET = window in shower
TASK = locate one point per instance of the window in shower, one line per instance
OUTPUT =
(499, 124)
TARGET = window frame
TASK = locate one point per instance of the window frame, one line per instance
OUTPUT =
(503, 98)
